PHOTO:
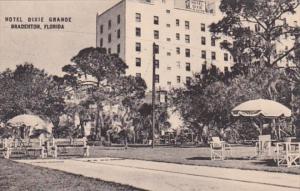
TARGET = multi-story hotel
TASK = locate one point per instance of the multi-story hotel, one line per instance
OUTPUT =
(179, 28)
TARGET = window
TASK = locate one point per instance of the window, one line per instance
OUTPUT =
(203, 54)
(118, 48)
(202, 27)
(177, 36)
(178, 79)
(109, 24)
(137, 31)
(187, 66)
(168, 25)
(169, 68)
(187, 25)
(138, 17)
(168, 39)
(109, 38)
(118, 33)
(169, 83)
(156, 34)
(178, 64)
(109, 51)
(156, 20)
(119, 19)
(168, 11)
(168, 53)
(138, 62)
(188, 80)
(213, 41)
(177, 50)
(101, 42)
(156, 63)
(138, 46)
(177, 22)
(156, 49)
(213, 55)
(187, 38)
(203, 41)
(101, 29)
(187, 52)
(138, 75)
(225, 56)
(156, 78)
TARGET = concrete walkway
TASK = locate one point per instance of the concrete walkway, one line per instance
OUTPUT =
(167, 176)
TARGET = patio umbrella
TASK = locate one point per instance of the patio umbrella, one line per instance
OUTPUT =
(261, 107)
(33, 121)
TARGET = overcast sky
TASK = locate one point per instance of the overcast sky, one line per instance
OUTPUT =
(48, 49)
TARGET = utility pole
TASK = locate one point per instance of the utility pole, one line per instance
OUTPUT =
(153, 93)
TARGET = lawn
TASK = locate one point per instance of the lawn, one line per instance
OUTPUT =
(16, 176)
(242, 157)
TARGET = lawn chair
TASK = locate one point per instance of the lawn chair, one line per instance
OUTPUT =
(287, 153)
(263, 146)
(4, 148)
(219, 149)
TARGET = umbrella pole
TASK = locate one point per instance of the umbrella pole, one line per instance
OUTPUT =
(260, 126)
(279, 131)
(274, 125)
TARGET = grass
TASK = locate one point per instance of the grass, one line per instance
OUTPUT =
(195, 156)
(16, 176)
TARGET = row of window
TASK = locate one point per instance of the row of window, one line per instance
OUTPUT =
(178, 79)
(187, 52)
(138, 62)
(138, 48)
(156, 36)
(187, 37)
(138, 18)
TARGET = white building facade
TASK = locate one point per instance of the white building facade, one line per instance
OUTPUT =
(179, 28)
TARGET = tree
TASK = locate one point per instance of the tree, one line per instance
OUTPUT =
(143, 121)
(257, 28)
(102, 77)
(30, 90)
(209, 99)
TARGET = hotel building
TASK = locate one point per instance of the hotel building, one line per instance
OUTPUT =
(179, 28)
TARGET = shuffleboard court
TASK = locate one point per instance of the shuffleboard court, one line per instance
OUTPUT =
(168, 176)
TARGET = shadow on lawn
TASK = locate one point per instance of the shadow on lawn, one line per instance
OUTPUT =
(198, 158)
(265, 162)
(208, 158)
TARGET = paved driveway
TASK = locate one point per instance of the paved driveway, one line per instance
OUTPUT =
(167, 176)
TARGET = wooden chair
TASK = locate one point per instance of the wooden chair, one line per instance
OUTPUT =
(33, 147)
(263, 146)
(287, 154)
(219, 149)
(22, 148)
(60, 146)
(4, 148)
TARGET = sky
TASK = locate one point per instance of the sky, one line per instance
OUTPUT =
(48, 49)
